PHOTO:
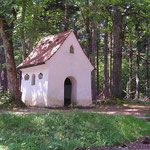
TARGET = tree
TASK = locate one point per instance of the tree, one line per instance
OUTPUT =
(147, 67)
(117, 52)
(23, 44)
(130, 69)
(6, 34)
(110, 63)
(66, 15)
(105, 84)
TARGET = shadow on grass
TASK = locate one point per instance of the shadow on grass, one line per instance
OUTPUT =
(68, 131)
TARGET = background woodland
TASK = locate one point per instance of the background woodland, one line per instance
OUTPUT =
(115, 35)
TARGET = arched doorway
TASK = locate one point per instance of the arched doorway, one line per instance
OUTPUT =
(67, 92)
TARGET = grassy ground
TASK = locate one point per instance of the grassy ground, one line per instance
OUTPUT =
(67, 131)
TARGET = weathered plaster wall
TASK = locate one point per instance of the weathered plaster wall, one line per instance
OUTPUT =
(35, 95)
(75, 66)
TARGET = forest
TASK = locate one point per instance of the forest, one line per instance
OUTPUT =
(115, 35)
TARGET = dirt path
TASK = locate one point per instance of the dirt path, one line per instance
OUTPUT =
(135, 110)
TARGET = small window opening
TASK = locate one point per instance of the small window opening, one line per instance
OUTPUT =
(26, 77)
(33, 80)
(40, 75)
(71, 49)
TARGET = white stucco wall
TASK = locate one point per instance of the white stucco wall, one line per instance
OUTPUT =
(35, 95)
(75, 66)
(49, 91)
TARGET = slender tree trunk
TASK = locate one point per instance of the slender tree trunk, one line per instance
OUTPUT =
(97, 59)
(110, 63)
(130, 70)
(89, 41)
(1, 62)
(3, 72)
(30, 43)
(9, 56)
(22, 30)
(105, 83)
(93, 61)
(137, 74)
(88, 30)
(117, 53)
(147, 70)
(33, 29)
(60, 25)
(1, 53)
(66, 16)
(137, 95)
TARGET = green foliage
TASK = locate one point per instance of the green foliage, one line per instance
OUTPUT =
(6, 103)
(67, 131)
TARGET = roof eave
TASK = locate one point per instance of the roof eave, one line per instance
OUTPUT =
(31, 65)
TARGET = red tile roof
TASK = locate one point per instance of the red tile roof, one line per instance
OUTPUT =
(45, 49)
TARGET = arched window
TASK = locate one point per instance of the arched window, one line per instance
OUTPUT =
(26, 77)
(71, 49)
(33, 80)
(40, 75)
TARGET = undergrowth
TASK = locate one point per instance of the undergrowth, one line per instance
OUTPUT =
(6, 102)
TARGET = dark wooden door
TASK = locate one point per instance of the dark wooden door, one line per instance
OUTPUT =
(67, 92)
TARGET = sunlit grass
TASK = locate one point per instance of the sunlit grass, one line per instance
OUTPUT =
(67, 131)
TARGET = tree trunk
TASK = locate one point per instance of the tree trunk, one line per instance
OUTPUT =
(31, 36)
(137, 74)
(9, 56)
(89, 35)
(117, 53)
(3, 72)
(23, 44)
(105, 83)
(147, 70)
(66, 16)
(97, 59)
(88, 30)
(1, 62)
(110, 63)
(93, 61)
(130, 70)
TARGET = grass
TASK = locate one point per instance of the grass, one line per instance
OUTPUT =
(68, 131)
